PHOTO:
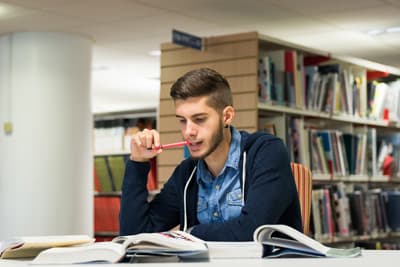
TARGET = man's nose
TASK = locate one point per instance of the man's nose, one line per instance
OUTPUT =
(191, 129)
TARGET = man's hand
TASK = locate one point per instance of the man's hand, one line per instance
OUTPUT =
(142, 144)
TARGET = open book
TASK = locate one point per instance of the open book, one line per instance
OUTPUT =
(30, 246)
(294, 243)
(171, 243)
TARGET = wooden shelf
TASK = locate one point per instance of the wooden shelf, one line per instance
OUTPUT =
(351, 239)
(324, 178)
(271, 107)
(112, 153)
(107, 194)
(291, 111)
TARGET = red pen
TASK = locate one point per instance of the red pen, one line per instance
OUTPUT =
(171, 145)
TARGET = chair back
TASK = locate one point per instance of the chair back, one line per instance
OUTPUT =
(303, 179)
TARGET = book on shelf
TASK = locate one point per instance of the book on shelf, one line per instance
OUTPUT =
(371, 153)
(327, 146)
(361, 212)
(393, 208)
(289, 242)
(287, 86)
(164, 244)
(391, 102)
(106, 214)
(264, 80)
(380, 91)
(388, 156)
(342, 210)
(291, 78)
(109, 172)
(103, 174)
(323, 213)
(117, 167)
(30, 246)
(312, 79)
(276, 125)
(318, 159)
(383, 224)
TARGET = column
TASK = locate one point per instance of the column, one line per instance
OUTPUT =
(46, 165)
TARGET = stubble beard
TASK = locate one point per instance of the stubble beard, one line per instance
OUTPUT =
(216, 140)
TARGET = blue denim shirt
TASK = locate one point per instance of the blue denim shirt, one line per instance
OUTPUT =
(220, 198)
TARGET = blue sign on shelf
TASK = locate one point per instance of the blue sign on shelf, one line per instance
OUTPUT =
(186, 39)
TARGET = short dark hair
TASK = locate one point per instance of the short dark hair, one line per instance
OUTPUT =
(203, 82)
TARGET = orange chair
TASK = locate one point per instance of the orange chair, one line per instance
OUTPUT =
(303, 178)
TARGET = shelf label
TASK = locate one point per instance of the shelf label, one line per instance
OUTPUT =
(186, 39)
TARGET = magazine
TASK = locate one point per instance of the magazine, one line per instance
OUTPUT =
(171, 243)
(284, 241)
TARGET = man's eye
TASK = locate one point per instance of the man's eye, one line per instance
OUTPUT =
(182, 121)
(200, 120)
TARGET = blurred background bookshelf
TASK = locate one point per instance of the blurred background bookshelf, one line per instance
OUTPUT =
(112, 135)
(342, 121)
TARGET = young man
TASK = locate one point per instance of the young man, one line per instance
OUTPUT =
(232, 183)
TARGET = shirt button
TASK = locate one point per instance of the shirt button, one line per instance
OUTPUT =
(215, 214)
(217, 187)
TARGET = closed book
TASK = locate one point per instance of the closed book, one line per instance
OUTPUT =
(393, 208)
(106, 214)
(117, 168)
(103, 174)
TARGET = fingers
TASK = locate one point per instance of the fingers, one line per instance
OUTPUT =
(148, 138)
(142, 144)
(156, 138)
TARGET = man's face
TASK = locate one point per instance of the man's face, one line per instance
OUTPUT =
(200, 124)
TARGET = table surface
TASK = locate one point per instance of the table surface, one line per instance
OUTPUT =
(382, 258)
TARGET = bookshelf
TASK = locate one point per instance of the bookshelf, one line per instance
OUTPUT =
(238, 56)
(112, 132)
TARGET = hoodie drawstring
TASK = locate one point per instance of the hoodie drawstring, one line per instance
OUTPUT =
(184, 199)
(190, 178)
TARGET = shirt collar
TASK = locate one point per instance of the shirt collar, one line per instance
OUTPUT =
(231, 162)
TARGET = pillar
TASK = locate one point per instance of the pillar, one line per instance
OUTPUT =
(46, 165)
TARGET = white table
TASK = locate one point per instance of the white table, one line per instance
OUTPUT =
(380, 258)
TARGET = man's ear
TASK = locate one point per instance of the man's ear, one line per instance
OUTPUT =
(228, 114)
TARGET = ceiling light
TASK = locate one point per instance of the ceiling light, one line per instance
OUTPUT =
(375, 32)
(100, 68)
(155, 53)
(393, 30)
(3, 10)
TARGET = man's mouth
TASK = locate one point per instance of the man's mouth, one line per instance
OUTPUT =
(195, 145)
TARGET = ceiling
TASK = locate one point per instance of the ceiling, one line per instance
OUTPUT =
(126, 77)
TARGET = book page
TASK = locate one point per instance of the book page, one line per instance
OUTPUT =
(109, 252)
(172, 240)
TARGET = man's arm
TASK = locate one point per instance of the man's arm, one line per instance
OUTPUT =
(137, 215)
